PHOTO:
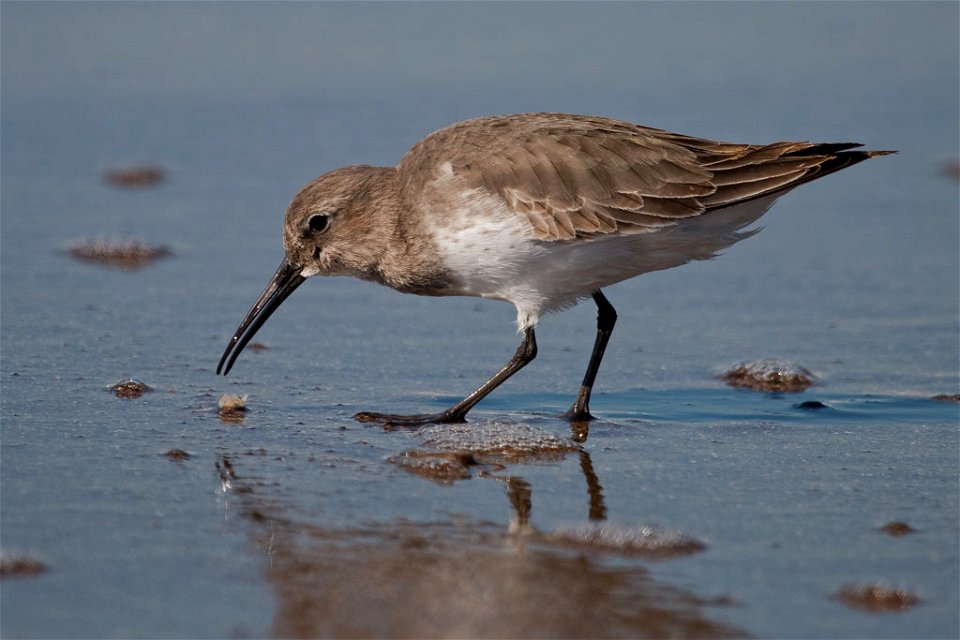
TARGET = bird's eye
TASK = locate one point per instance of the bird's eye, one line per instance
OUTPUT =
(318, 222)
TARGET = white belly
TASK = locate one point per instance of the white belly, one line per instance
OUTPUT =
(493, 253)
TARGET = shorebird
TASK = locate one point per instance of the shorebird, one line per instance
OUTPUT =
(540, 210)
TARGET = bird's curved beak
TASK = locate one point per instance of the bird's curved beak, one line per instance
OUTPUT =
(287, 278)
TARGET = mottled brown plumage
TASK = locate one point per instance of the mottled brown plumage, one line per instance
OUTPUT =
(581, 176)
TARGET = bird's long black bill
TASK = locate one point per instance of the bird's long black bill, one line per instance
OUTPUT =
(285, 280)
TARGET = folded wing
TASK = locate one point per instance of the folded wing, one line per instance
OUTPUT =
(580, 177)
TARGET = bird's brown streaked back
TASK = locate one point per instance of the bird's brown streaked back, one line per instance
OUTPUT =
(577, 176)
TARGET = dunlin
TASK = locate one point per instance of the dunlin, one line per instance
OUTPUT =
(541, 210)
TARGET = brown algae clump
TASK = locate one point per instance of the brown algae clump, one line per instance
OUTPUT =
(897, 529)
(457, 452)
(873, 597)
(442, 468)
(15, 566)
(129, 255)
(177, 454)
(647, 541)
(769, 375)
(505, 441)
(947, 397)
(135, 177)
(130, 389)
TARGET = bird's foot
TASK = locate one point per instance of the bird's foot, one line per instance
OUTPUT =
(577, 415)
(444, 417)
(579, 420)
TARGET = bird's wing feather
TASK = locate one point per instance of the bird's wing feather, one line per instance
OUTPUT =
(580, 177)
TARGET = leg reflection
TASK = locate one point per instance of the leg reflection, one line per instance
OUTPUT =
(598, 510)
(520, 493)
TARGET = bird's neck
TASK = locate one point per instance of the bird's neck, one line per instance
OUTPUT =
(406, 258)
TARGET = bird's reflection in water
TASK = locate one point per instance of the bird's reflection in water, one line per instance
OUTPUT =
(487, 449)
(598, 510)
(520, 494)
(494, 449)
(462, 577)
(579, 430)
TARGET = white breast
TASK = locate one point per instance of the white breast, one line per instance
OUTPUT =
(493, 253)
(489, 249)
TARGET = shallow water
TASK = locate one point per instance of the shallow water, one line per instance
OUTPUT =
(688, 508)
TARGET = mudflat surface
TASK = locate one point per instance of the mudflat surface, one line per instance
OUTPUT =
(689, 508)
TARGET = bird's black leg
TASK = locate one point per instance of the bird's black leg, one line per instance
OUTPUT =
(606, 318)
(526, 352)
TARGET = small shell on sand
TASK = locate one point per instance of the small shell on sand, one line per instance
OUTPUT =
(769, 375)
(127, 254)
(131, 388)
(135, 177)
(873, 597)
(232, 407)
(229, 402)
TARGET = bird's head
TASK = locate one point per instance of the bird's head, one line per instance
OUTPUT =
(334, 226)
